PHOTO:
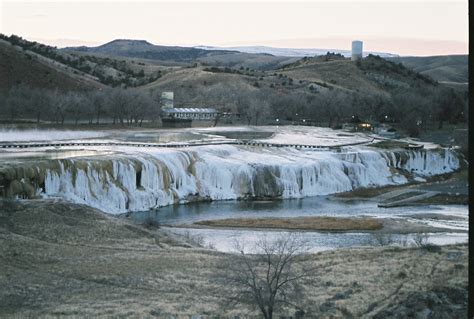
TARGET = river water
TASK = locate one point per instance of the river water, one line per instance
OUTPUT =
(129, 179)
(179, 218)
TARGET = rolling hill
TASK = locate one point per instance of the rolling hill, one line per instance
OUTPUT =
(449, 68)
(205, 77)
(222, 87)
(141, 49)
(19, 66)
(145, 50)
(453, 68)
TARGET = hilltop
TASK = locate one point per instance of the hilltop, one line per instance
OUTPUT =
(141, 49)
(145, 50)
(372, 74)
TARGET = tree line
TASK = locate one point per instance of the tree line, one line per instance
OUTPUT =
(414, 110)
(113, 105)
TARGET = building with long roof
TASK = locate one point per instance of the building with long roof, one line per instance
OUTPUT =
(190, 113)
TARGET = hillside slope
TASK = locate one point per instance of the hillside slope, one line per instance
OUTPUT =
(18, 66)
(450, 68)
(224, 88)
(373, 74)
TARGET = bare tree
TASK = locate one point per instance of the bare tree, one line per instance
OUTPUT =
(98, 102)
(42, 104)
(271, 277)
(334, 105)
(117, 101)
(59, 105)
(76, 105)
(15, 102)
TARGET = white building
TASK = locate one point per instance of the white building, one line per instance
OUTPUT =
(190, 113)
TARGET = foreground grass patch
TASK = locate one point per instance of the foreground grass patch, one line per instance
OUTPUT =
(322, 223)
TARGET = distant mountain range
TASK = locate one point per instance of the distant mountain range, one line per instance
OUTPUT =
(146, 50)
(290, 52)
(142, 49)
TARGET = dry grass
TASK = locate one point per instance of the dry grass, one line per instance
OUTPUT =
(321, 223)
(59, 259)
(444, 199)
(368, 192)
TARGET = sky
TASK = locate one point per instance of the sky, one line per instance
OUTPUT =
(420, 27)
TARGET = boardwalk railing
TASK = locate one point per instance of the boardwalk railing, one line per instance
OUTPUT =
(174, 145)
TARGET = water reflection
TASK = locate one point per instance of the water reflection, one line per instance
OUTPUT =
(310, 206)
(223, 239)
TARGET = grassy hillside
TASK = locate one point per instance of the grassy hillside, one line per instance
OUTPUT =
(306, 77)
(450, 68)
(372, 74)
(108, 70)
(18, 66)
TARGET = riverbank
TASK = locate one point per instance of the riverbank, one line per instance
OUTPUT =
(62, 259)
(446, 189)
(331, 224)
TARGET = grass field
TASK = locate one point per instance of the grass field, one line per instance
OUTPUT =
(321, 223)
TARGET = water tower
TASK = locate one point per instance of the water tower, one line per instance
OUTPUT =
(356, 50)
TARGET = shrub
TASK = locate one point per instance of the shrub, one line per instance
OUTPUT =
(421, 239)
(151, 223)
(382, 239)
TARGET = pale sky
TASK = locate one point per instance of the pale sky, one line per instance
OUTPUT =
(423, 27)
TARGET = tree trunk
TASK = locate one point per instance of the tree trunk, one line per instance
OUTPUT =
(440, 125)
